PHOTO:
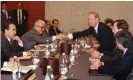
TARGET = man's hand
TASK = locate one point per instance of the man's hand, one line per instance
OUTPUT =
(95, 54)
(29, 53)
(91, 50)
(96, 64)
(61, 36)
(17, 39)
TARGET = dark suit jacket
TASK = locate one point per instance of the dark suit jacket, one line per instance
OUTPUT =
(104, 36)
(8, 50)
(4, 19)
(121, 71)
(32, 38)
(52, 31)
(112, 57)
(24, 17)
(21, 28)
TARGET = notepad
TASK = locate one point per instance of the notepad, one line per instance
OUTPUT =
(10, 67)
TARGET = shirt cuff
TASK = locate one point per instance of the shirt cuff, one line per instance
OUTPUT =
(53, 38)
(20, 44)
(24, 53)
(70, 36)
(100, 55)
(5, 63)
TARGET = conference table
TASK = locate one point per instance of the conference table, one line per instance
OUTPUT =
(79, 71)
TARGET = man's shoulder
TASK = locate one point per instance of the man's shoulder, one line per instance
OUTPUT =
(103, 26)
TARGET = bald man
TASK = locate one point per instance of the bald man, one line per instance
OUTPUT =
(37, 35)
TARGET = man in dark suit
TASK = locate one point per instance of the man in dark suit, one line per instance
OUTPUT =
(48, 25)
(115, 56)
(37, 35)
(5, 15)
(124, 68)
(20, 16)
(11, 45)
(54, 28)
(99, 30)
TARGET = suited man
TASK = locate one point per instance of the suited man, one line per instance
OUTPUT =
(99, 30)
(11, 45)
(37, 35)
(115, 56)
(5, 14)
(48, 25)
(20, 16)
(54, 28)
(120, 72)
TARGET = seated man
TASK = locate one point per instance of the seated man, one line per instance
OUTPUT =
(54, 30)
(37, 35)
(120, 72)
(11, 45)
(47, 27)
(115, 56)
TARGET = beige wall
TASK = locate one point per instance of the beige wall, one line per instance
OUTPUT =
(75, 14)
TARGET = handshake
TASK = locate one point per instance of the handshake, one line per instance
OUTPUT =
(61, 36)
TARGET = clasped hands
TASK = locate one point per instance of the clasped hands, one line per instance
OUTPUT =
(61, 36)
(96, 63)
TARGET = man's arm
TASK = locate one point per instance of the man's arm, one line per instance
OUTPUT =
(81, 34)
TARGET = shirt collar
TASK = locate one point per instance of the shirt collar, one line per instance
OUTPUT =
(125, 51)
(19, 9)
(47, 30)
(8, 39)
(4, 10)
(96, 28)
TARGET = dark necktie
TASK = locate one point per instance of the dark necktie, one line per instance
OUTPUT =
(20, 20)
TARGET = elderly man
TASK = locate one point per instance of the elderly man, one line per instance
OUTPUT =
(37, 35)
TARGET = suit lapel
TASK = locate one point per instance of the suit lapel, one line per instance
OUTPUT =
(7, 42)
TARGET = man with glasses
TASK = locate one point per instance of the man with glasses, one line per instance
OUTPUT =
(37, 35)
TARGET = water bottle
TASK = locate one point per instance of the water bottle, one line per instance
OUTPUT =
(63, 66)
(72, 57)
(49, 74)
(35, 59)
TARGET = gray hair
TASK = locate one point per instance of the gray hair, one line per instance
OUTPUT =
(38, 22)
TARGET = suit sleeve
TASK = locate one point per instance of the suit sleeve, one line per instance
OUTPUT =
(41, 39)
(110, 59)
(8, 52)
(83, 33)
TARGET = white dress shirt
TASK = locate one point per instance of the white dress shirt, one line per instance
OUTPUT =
(19, 13)
(96, 28)
(5, 12)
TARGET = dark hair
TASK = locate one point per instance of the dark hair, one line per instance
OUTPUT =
(122, 24)
(46, 21)
(3, 2)
(124, 38)
(54, 21)
(109, 20)
(7, 24)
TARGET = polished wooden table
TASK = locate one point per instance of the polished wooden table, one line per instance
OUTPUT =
(78, 71)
